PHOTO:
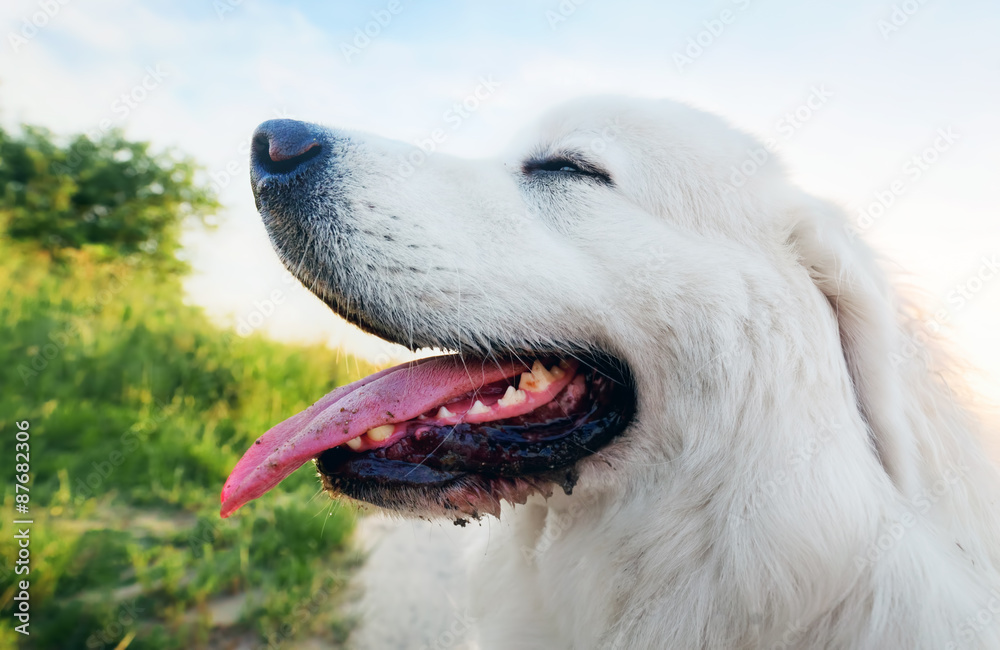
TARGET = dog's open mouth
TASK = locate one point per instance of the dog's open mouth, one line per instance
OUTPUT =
(448, 430)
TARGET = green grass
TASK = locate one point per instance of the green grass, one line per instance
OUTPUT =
(139, 407)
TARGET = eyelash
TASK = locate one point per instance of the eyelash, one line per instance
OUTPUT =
(564, 166)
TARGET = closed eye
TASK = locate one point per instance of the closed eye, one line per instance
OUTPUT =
(564, 165)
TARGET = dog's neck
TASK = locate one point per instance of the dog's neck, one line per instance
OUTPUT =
(761, 517)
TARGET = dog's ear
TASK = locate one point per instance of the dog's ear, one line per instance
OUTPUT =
(845, 270)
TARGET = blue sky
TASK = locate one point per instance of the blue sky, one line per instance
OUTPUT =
(224, 72)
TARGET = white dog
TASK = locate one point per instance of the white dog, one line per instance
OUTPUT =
(722, 427)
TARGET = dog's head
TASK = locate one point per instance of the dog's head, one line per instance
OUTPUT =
(626, 265)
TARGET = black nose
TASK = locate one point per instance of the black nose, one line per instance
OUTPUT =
(281, 147)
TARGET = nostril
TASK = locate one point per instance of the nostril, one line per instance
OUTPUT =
(274, 161)
(281, 146)
(277, 154)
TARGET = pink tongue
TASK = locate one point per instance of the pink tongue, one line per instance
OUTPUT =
(393, 395)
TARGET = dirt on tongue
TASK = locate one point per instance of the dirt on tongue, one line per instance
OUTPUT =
(392, 395)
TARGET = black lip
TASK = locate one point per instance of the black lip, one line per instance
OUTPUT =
(488, 452)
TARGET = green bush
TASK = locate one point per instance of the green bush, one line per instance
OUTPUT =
(139, 407)
(110, 194)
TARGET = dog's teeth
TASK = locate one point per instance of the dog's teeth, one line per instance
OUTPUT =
(354, 443)
(557, 373)
(378, 434)
(444, 413)
(537, 380)
(512, 397)
(478, 407)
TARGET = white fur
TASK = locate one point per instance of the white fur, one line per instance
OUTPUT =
(800, 474)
